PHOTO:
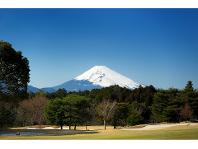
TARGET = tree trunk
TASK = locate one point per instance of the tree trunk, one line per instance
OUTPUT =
(105, 127)
(61, 127)
(69, 127)
(75, 127)
(114, 127)
(86, 127)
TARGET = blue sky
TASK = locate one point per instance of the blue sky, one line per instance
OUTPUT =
(150, 46)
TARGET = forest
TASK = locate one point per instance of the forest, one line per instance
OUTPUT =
(112, 105)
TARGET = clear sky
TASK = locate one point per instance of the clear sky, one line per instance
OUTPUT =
(150, 46)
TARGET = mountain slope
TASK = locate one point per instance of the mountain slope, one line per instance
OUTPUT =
(48, 89)
(94, 78)
(32, 89)
(77, 85)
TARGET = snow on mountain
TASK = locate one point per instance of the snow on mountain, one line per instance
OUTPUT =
(95, 78)
(105, 77)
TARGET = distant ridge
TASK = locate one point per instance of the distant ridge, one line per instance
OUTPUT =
(32, 89)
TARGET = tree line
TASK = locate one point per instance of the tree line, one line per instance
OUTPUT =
(118, 106)
(112, 105)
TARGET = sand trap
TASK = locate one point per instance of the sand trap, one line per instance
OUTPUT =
(50, 128)
(65, 128)
(160, 126)
(47, 127)
(27, 127)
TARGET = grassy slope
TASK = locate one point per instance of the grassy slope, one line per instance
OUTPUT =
(179, 132)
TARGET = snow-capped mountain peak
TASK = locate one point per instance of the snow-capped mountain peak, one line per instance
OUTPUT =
(95, 78)
(104, 77)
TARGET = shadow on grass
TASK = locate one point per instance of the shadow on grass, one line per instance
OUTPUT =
(43, 132)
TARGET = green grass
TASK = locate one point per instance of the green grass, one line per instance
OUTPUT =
(173, 133)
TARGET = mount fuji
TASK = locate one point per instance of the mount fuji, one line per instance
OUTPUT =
(95, 78)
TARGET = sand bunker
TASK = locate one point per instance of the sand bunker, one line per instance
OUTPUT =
(160, 126)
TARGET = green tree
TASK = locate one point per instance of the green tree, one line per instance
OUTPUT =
(134, 118)
(190, 102)
(120, 114)
(7, 114)
(56, 112)
(189, 87)
(70, 110)
(79, 112)
(173, 109)
(193, 101)
(160, 102)
(135, 114)
(60, 93)
(14, 71)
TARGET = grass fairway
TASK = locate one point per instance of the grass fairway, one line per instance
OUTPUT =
(96, 132)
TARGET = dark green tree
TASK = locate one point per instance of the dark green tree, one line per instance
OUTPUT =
(70, 110)
(190, 105)
(120, 115)
(160, 102)
(189, 87)
(14, 71)
(7, 114)
(60, 93)
(193, 101)
(173, 109)
(79, 113)
(135, 114)
(56, 112)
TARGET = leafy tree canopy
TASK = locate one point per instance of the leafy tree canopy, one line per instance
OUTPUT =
(14, 71)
